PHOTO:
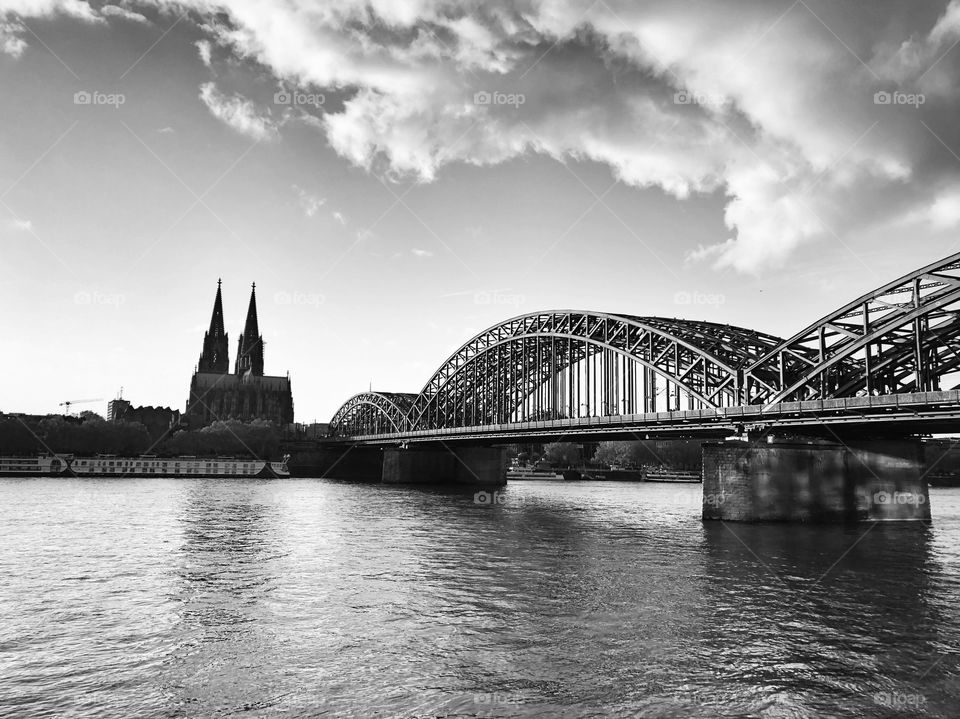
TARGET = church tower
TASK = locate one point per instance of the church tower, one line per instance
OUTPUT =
(250, 348)
(214, 357)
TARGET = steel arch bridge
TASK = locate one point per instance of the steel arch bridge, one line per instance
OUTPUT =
(900, 338)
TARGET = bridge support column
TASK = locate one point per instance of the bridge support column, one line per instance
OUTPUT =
(479, 466)
(815, 481)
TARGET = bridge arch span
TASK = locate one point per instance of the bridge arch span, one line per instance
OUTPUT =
(901, 337)
(373, 413)
(566, 363)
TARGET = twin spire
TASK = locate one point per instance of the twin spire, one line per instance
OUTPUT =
(215, 356)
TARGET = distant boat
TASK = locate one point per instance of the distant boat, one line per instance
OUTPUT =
(143, 466)
(532, 473)
(671, 475)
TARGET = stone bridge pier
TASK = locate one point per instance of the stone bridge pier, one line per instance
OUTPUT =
(815, 480)
(467, 465)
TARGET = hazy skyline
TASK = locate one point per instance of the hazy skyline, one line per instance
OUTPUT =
(398, 176)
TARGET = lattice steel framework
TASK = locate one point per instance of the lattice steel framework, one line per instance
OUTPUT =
(902, 337)
(551, 365)
(373, 413)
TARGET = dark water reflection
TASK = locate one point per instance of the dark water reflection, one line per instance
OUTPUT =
(301, 598)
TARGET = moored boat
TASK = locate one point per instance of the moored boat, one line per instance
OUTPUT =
(144, 465)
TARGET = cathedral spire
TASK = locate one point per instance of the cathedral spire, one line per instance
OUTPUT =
(250, 348)
(215, 354)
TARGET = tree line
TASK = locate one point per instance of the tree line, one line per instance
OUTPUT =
(90, 435)
(633, 454)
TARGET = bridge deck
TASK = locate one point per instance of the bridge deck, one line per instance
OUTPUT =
(916, 411)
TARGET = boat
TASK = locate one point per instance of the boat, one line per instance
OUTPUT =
(532, 473)
(106, 465)
(44, 466)
(670, 475)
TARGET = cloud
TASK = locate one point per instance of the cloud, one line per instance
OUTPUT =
(765, 106)
(772, 106)
(10, 41)
(421, 253)
(204, 48)
(238, 113)
(309, 203)
(339, 217)
(123, 13)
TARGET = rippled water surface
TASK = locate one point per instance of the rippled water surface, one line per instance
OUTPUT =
(301, 598)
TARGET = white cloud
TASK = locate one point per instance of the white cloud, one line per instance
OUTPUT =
(204, 48)
(309, 203)
(239, 113)
(10, 41)
(339, 217)
(421, 253)
(124, 13)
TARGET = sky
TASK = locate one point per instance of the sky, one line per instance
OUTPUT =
(398, 175)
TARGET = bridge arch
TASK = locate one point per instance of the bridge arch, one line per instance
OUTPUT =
(372, 413)
(568, 363)
(901, 337)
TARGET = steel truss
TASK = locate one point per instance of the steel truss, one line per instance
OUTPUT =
(373, 413)
(902, 337)
(553, 365)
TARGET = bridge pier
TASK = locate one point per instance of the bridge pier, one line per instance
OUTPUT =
(811, 480)
(478, 466)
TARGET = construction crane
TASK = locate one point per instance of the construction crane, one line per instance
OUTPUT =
(78, 401)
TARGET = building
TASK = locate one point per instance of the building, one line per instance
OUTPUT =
(157, 420)
(116, 408)
(245, 395)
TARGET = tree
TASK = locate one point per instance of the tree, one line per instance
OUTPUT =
(616, 454)
(562, 454)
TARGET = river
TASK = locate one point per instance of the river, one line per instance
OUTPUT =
(303, 598)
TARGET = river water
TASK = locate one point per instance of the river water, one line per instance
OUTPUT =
(303, 598)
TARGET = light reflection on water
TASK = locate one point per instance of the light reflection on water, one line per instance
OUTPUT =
(168, 598)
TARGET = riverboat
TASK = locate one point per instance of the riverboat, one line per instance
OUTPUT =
(142, 466)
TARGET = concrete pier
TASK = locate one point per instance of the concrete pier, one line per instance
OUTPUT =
(814, 481)
(478, 466)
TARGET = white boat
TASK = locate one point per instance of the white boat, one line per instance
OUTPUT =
(34, 466)
(145, 465)
(530, 473)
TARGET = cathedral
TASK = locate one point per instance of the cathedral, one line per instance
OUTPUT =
(246, 394)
